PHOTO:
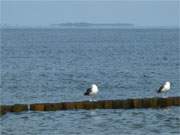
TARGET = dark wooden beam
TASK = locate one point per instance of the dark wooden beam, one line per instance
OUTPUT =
(154, 102)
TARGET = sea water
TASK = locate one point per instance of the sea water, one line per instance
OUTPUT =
(55, 65)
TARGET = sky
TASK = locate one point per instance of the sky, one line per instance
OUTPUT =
(139, 13)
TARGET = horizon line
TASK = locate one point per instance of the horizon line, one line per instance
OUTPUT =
(85, 24)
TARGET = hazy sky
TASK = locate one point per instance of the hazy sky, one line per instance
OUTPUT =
(141, 13)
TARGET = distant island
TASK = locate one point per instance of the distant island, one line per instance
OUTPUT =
(82, 25)
(93, 25)
(74, 25)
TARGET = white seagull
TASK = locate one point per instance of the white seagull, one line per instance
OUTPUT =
(92, 91)
(165, 87)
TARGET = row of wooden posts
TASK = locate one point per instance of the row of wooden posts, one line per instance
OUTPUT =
(155, 102)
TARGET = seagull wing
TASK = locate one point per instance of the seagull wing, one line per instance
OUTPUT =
(162, 86)
(87, 91)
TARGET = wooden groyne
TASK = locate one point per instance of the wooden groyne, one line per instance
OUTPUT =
(155, 102)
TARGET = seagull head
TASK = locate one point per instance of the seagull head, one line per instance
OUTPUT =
(167, 83)
(94, 86)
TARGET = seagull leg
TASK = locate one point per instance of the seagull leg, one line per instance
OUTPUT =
(90, 100)
(94, 98)
(164, 95)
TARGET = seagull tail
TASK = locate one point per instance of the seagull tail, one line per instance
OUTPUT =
(159, 91)
(86, 94)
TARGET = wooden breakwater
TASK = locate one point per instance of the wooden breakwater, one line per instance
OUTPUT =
(155, 102)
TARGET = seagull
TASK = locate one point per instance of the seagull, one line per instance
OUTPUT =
(165, 87)
(91, 91)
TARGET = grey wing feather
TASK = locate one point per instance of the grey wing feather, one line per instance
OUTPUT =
(87, 91)
(162, 86)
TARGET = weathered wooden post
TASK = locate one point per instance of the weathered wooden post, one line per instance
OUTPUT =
(4, 109)
(154, 102)
(19, 108)
(37, 107)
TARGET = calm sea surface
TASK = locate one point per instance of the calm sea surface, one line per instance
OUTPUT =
(54, 65)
